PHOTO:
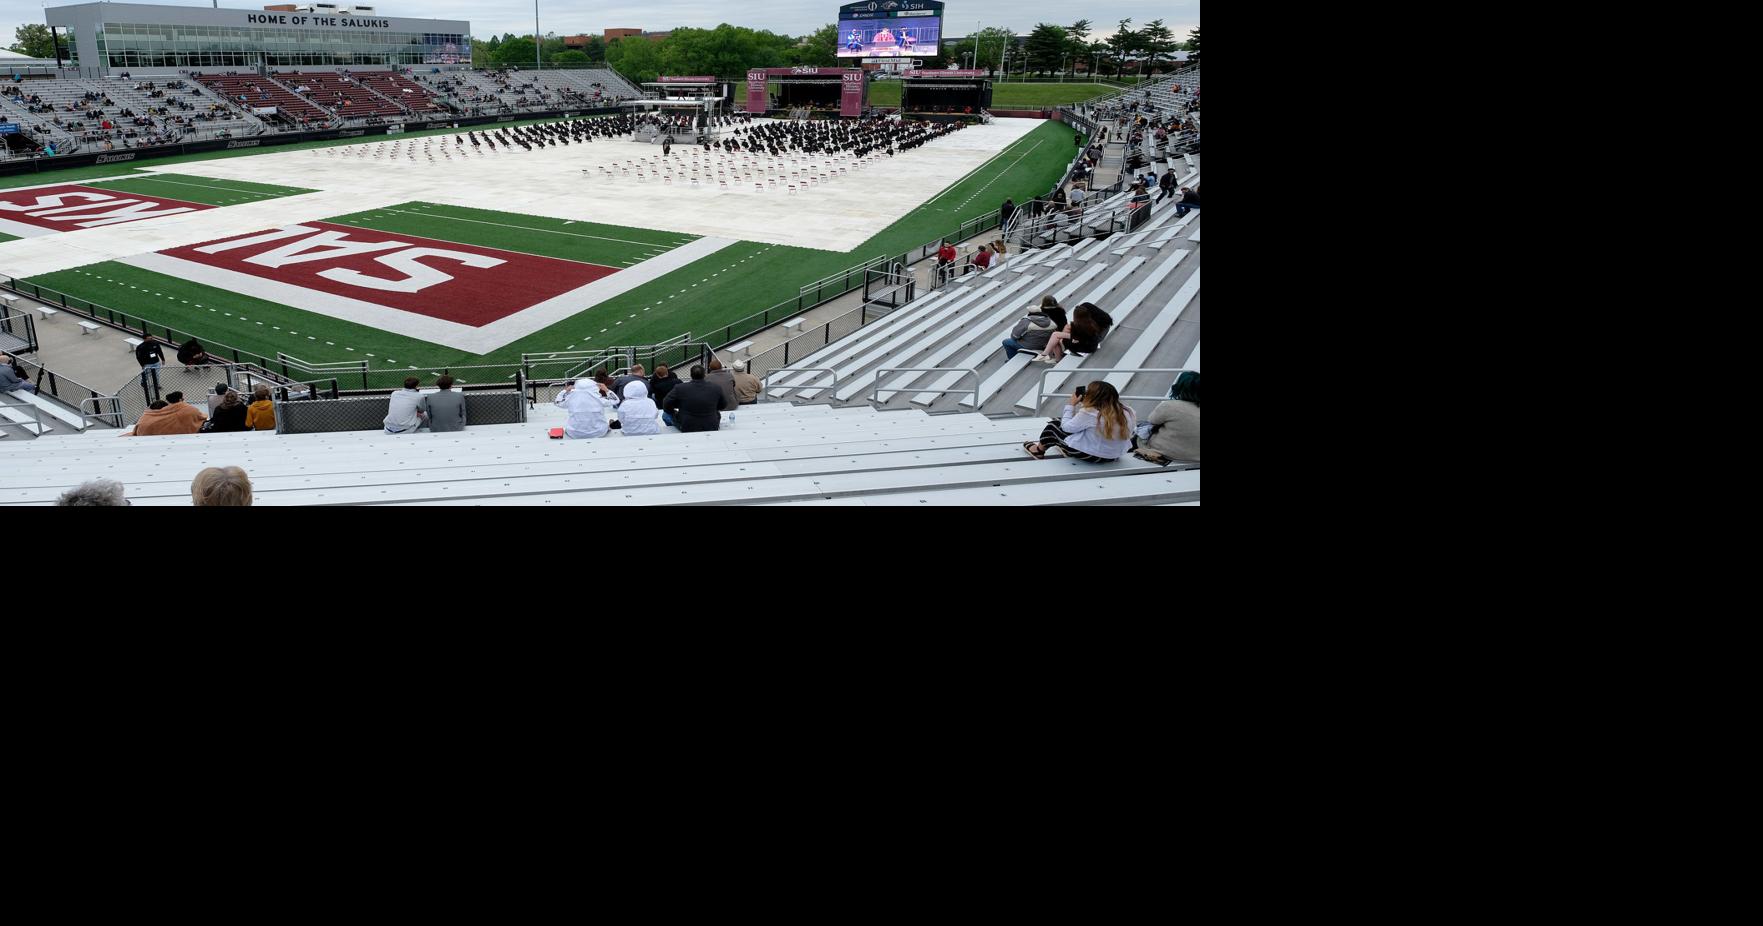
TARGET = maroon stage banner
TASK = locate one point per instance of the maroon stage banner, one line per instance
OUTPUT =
(852, 93)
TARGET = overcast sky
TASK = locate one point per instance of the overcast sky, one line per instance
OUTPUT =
(792, 17)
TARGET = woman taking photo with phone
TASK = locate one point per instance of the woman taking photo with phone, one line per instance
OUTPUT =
(1094, 428)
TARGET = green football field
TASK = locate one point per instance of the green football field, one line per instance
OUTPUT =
(701, 297)
(205, 190)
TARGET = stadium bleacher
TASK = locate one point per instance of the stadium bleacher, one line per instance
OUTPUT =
(776, 454)
(258, 91)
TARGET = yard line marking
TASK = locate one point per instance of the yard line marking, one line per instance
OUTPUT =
(206, 186)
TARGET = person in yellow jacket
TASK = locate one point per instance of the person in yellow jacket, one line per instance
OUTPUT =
(261, 415)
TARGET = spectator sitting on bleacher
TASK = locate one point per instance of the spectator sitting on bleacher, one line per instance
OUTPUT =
(746, 385)
(635, 375)
(230, 414)
(98, 493)
(1089, 324)
(694, 405)
(191, 354)
(1033, 330)
(12, 378)
(1094, 427)
(982, 258)
(221, 487)
(446, 408)
(660, 385)
(1175, 424)
(172, 416)
(1166, 184)
(586, 403)
(404, 413)
(638, 415)
(724, 380)
(1190, 199)
(261, 415)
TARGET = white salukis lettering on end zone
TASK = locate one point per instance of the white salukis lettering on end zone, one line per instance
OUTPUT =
(56, 199)
(418, 276)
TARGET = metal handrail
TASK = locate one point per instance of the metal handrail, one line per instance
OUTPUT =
(882, 374)
(765, 381)
(1044, 395)
(101, 417)
(36, 413)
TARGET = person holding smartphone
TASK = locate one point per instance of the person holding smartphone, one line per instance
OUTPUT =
(1094, 427)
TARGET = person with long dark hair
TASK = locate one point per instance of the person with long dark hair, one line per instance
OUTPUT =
(1094, 427)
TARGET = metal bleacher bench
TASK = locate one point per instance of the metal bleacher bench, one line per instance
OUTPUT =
(47, 312)
(737, 348)
(793, 325)
(129, 344)
(88, 327)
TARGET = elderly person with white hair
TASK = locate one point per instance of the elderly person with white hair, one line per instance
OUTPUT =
(638, 416)
(746, 385)
(587, 404)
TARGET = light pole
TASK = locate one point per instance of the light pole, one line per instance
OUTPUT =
(538, 40)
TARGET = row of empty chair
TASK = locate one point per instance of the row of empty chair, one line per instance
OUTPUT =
(773, 454)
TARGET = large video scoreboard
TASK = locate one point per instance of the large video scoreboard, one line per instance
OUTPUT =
(890, 29)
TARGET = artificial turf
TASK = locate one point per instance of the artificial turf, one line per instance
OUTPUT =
(703, 297)
(606, 245)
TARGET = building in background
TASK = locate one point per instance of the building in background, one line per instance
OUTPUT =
(141, 38)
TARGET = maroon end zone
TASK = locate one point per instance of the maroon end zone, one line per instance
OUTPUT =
(460, 283)
(71, 207)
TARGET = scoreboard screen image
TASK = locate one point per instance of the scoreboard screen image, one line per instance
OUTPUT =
(890, 29)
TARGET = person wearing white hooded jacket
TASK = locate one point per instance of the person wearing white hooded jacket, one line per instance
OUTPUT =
(638, 416)
(587, 410)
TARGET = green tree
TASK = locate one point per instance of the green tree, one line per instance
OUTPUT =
(571, 57)
(1077, 45)
(636, 58)
(1193, 46)
(35, 40)
(817, 49)
(1156, 40)
(517, 52)
(596, 49)
(1046, 47)
(1124, 43)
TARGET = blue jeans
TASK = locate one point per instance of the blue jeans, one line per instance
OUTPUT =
(1181, 209)
(1012, 347)
(151, 366)
(667, 419)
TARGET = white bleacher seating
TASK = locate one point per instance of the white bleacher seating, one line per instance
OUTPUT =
(779, 453)
(1015, 365)
(129, 344)
(1127, 308)
(87, 328)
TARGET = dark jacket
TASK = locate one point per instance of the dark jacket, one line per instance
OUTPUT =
(1004, 213)
(230, 419)
(725, 380)
(1191, 197)
(659, 387)
(1167, 181)
(1033, 332)
(149, 353)
(618, 384)
(446, 410)
(1078, 346)
(695, 406)
(189, 351)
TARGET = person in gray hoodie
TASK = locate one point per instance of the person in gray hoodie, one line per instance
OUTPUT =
(10, 380)
(1175, 424)
(1033, 330)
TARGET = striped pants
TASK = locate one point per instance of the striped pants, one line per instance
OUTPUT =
(1054, 436)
